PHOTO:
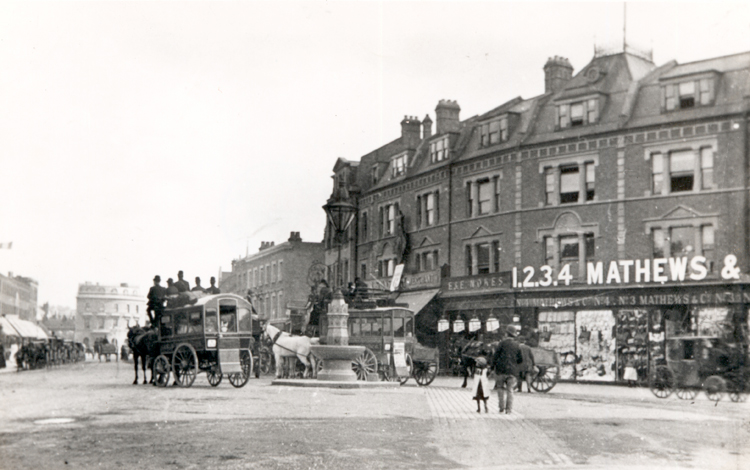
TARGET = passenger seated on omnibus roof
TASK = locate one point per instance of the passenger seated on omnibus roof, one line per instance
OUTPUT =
(228, 323)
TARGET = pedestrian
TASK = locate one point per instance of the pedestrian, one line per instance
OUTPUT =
(198, 287)
(213, 289)
(181, 284)
(156, 296)
(630, 374)
(507, 363)
(481, 389)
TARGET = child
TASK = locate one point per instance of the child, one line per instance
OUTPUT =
(630, 374)
(481, 384)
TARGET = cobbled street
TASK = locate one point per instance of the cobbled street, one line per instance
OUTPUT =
(89, 415)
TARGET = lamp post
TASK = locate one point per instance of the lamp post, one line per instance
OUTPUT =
(340, 213)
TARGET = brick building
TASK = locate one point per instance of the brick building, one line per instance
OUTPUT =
(278, 277)
(18, 296)
(608, 213)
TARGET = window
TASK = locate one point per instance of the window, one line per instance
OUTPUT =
(363, 234)
(657, 169)
(386, 267)
(428, 261)
(469, 199)
(439, 150)
(469, 261)
(483, 258)
(427, 209)
(388, 218)
(707, 168)
(707, 239)
(578, 113)
(496, 256)
(549, 184)
(688, 94)
(569, 248)
(279, 276)
(590, 181)
(363, 271)
(549, 251)
(273, 272)
(374, 174)
(569, 185)
(681, 171)
(255, 277)
(268, 275)
(486, 195)
(260, 278)
(589, 245)
(679, 241)
(496, 199)
(398, 165)
(117, 308)
(493, 132)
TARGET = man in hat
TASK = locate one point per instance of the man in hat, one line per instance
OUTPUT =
(213, 289)
(155, 305)
(198, 287)
(181, 284)
(171, 288)
(507, 364)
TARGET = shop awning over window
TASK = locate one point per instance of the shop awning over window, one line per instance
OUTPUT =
(417, 300)
(25, 329)
(8, 329)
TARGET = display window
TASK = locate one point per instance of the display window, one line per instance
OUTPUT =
(595, 345)
(557, 332)
(656, 339)
(631, 335)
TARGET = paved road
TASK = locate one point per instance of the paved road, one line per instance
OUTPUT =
(90, 416)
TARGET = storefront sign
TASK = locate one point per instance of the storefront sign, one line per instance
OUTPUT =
(699, 298)
(658, 270)
(482, 283)
(424, 279)
(397, 277)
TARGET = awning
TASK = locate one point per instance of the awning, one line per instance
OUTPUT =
(8, 329)
(417, 300)
(25, 328)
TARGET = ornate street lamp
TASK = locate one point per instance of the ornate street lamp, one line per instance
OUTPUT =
(340, 213)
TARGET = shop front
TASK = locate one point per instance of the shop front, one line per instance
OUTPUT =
(597, 331)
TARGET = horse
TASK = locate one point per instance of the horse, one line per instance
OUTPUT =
(143, 345)
(286, 345)
(468, 355)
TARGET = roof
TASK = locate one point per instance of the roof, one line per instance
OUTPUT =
(718, 64)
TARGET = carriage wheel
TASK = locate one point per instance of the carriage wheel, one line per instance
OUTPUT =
(160, 371)
(265, 358)
(240, 379)
(545, 378)
(737, 396)
(715, 387)
(214, 375)
(365, 364)
(662, 382)
(402, 379)
(424, 372)
(686, 393)
(184, 365)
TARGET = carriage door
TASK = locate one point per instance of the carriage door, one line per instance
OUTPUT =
(229, 344)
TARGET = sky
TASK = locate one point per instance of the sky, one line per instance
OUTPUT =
(143, 138)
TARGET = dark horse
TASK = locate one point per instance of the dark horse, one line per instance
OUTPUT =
(143, 344)
(474, 349)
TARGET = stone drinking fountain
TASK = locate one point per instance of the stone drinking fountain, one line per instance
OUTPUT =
(337, 355)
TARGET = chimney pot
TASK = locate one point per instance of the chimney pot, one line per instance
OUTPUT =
(447, 116)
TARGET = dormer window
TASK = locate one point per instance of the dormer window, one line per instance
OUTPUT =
(439, 149)
(494, 132)
(374, 174)
(398, 166)
(578, 113)
(688, 93)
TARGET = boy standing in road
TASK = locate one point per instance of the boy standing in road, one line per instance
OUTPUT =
(506, 362)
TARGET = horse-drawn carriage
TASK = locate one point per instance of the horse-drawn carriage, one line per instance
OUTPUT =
(391, 348)
(701, 362)
(215, 334)
(102, 347)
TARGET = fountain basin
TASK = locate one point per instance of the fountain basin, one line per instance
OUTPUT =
(337, 362)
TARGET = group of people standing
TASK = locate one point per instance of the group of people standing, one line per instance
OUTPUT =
(157, 294)
(507, 365)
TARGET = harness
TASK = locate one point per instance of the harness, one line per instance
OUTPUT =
(276, 338)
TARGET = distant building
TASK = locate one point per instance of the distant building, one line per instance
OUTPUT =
(18, 296)
(106, 312)
(59, 322)
(278, 277)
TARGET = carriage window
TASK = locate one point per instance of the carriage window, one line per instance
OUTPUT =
(228, 322)
(166, 325)
(181, 323)
(398, 327)
(354, 327)
(211, 321)
(409, 327)
(196, 323)
(365, 325)
(245, 319)
(387, 326)
(688, 350)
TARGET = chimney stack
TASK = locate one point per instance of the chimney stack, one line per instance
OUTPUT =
(426, 127)
(410, 131)
(446, 114)
(557, 72)
(295, 237)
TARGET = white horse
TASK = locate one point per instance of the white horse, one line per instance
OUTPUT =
(285, 345)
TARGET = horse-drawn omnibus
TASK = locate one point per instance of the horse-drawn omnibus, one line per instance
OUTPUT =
(215, 334)
(391, 348)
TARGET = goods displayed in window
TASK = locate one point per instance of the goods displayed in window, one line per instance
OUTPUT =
(557, 332)
(631, 335)
(595, 346)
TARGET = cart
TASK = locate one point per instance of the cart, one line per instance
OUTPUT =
(214, 334)
(391, 349)
(695, 363)
(546, 371)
